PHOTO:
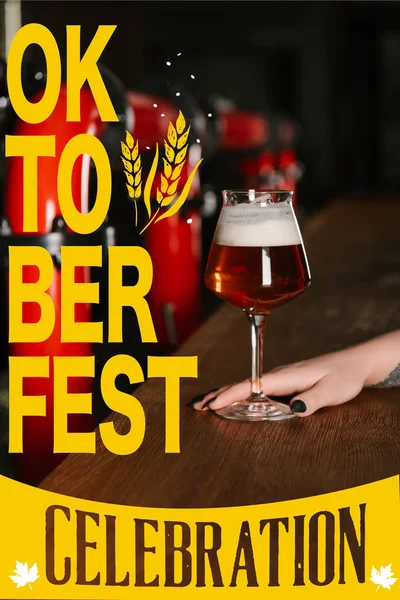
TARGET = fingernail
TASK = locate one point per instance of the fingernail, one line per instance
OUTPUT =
(209, 401)
(200, 397)
(298, 406)
(196, 400)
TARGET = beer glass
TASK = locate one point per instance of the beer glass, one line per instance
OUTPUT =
(257, 262)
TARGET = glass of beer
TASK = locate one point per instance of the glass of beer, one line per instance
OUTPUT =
(257, 262)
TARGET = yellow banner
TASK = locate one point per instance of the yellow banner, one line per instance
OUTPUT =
(55, 547)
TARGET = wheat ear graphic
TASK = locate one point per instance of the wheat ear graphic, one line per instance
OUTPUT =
(133, 169)
(175, 150)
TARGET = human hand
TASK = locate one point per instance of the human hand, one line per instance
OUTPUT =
(327, 380)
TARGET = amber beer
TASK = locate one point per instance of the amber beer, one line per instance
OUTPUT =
(257, 262)
(257, 259)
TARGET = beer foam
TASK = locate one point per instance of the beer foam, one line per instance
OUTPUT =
(253, 225)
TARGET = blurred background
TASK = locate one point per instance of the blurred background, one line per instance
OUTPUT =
(283, 95)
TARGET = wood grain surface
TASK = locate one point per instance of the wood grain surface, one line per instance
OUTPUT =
(354, 255)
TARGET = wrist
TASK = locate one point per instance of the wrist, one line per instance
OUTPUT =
(365, 364)
(379, 357)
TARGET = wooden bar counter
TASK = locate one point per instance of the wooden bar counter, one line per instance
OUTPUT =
(354, 254)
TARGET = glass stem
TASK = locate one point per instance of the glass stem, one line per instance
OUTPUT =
(257, 338)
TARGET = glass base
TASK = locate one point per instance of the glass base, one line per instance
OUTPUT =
(256, 410)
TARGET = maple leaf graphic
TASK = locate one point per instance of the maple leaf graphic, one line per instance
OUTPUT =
(383, 577)
(24, 575)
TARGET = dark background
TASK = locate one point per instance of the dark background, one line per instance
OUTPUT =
(332, 66)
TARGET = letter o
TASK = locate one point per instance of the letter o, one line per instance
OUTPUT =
(89, 145)
(37, 112)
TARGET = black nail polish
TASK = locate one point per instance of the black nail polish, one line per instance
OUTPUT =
(200, 397)
(209, 401)
(298, 406)
(196, 400)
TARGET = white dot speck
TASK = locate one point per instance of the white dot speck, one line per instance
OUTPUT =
(163, 114)
(192, 76)
(147, 147)
(155, 105)
(177, 94)
(209, 115)
(38, 76)
(189, 221)
(168, 63)
(198, 141)
(180, 53)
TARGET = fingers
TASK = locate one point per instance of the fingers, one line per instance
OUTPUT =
(289, 380)
(200, 402)
(233, 393)
(329, 391)
(313, 384)
(284, 381)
